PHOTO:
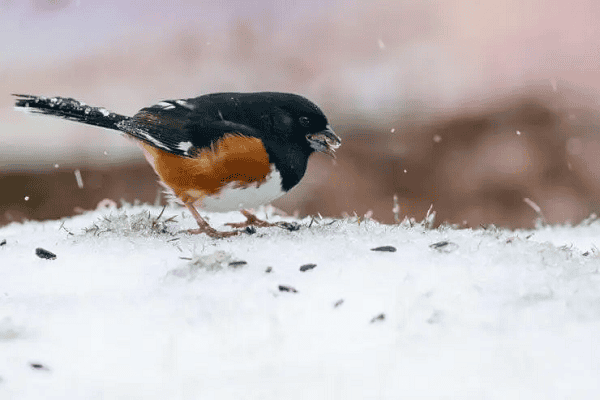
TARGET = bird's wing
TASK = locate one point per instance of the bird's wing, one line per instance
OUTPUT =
(178, 127)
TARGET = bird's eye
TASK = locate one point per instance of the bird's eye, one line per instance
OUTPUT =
(304, 121)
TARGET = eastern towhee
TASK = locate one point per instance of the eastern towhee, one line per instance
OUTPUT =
(218, 152)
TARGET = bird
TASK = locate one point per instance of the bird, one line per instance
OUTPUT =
(216, 152)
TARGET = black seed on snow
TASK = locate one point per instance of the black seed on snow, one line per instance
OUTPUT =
(250, 230)
(38, 366)
(587, 253)
(444, 246)
(306, 267)
(338, 303)
(380, 317)
(42, 253)
(290, 226)
(283, 288)
(237, 263)
(390, 249)
(439, 245)
(3, 242)
(269, 269)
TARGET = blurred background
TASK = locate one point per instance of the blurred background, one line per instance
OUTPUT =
(473, 107)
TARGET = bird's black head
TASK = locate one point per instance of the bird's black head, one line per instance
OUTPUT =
(295, 119)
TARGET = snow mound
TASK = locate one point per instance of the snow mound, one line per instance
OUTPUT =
(342, 308)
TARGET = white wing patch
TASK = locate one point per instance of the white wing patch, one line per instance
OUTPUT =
(165, 105)
(185, 104)
(104, 111)
(141, 133)
(171, 104)
(185, 147)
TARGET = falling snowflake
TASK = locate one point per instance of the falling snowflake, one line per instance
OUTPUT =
(78, 178)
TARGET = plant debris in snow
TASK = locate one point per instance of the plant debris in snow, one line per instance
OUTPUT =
(141, 223)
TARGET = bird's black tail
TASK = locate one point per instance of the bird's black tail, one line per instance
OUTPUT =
(68, 108)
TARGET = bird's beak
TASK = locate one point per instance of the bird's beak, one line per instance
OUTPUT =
(325, 141)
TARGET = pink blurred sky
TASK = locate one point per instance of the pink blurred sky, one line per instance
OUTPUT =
(43, 30)
(445, 51)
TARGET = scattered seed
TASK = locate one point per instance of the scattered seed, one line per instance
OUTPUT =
(236, 264)
(444, 246)
(250, 230)
(3, 242)
(42, 253)
(389, 249)
(290, 226)
(338, 303)
(587, 253)
(380, 317)
(269, 270)
(39, 366)
(283, 288)
(306, 267)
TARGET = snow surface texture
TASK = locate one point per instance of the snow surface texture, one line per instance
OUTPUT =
(131, 309)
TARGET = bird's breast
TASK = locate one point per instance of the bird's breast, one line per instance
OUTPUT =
(234, 174)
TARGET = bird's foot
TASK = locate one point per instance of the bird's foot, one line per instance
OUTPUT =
(251, 220)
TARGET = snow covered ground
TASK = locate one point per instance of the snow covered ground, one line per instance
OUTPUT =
(131, 309)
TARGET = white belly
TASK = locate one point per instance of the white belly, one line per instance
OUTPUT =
(232, 197)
